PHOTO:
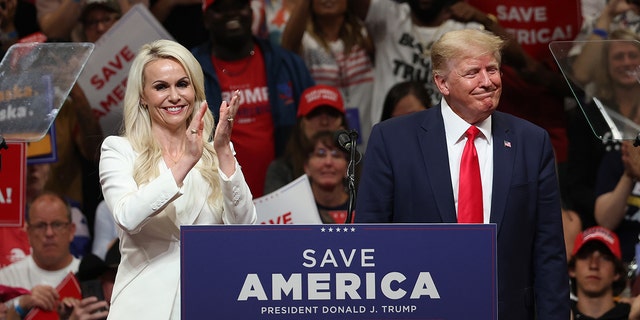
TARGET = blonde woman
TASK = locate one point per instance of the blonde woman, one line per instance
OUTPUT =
(164, 171)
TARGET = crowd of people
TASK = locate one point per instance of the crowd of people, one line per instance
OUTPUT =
(459, 119)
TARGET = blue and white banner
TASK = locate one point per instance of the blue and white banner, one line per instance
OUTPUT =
(355, 271)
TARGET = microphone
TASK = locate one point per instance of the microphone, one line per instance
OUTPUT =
(345, 139)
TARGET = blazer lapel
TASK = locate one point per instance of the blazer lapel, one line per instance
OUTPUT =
(194, 197)
(504, 148)
(433, 145)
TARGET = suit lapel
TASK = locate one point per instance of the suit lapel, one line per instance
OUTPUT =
(432, 137)
(194, 197)
(504, 148)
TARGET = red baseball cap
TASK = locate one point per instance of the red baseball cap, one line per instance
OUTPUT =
(320, 95)
(602, 234)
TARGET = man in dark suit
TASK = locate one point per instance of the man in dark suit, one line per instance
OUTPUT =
(412, 164)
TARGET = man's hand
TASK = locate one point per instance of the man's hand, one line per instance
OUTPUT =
(631, 160)
(42, 297)
(86, 309)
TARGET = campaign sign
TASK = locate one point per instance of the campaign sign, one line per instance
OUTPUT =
(13, 178)
(104, 79)
(291, 204)
(535, 23)
(354, 271)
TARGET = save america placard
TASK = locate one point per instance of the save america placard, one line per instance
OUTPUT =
(353, 271)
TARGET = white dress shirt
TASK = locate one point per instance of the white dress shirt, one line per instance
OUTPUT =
(455, 129)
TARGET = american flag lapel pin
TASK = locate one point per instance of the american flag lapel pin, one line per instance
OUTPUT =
(507, 144)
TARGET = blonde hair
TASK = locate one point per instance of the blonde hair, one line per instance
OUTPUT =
(137, 122)
(461, 44)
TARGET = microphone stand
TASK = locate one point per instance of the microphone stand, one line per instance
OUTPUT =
(351, 177)
(3, 145)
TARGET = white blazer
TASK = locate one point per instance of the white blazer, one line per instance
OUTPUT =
(147, 284)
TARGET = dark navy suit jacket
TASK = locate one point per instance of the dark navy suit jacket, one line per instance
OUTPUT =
(406, 178)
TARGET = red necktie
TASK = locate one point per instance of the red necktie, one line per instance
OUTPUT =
(470, 185)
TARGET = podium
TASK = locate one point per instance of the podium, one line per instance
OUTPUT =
(36, 80)
(595, 97)
(354, 271)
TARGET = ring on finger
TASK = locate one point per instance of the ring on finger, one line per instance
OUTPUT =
(194, 131)
(230, 119)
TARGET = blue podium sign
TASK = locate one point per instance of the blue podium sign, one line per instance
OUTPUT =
(356, 271)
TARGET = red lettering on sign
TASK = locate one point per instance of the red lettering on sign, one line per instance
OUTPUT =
(13, 178)
(112, 68)
(113, 99)
(283, 219)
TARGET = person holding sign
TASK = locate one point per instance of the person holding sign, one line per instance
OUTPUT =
(463, 161)
(166, 171)
(50, 230)
(97, 18)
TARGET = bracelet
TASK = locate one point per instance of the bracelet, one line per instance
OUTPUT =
(16, 306)
(600, 33)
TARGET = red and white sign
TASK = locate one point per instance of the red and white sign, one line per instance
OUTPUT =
(291, 204)
(69, 287)
(535, 23)
(104, 77)
(13, 178)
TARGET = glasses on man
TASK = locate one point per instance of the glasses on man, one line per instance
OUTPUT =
(106, 20)
(42, 227)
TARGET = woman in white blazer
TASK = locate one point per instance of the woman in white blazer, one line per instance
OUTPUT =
(164, 172)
